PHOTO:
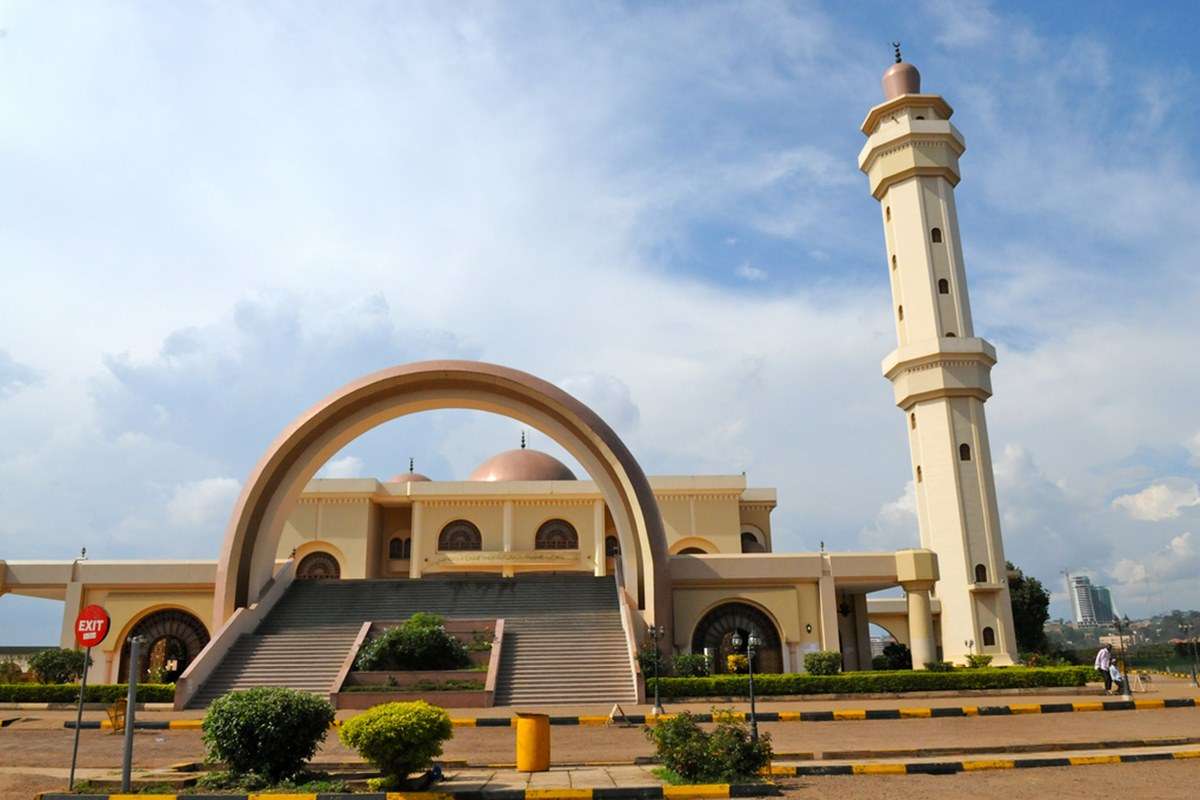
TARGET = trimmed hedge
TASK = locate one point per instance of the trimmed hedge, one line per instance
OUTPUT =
(96, 693)
(863, 682)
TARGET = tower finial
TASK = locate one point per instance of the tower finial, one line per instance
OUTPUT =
(896, 45)
(522, 440)
(410, 464)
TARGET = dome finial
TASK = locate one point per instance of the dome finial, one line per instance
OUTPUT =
(410, 463)
(896, 45)
(522, 440)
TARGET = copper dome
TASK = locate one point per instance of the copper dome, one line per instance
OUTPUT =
(901, 78)
(522, 465)
(408, 477)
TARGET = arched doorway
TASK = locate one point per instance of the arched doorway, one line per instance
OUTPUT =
(171, 638)
(247, 560)
(318, 566)
(715, 631)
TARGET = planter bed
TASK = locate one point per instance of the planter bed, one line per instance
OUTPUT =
(878, 682)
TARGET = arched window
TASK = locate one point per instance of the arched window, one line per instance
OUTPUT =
(980, 573)
(692, 551)
(557, 534)
(964, 452)
(900, 312)
(918, 474)
(893, 262)
(612, 546)
(460, 535)
(887, 213)
(943, 286)
(949, 334)
(318, 566)
(912, 420)
(400, 548)
(935, 235)
(989, 637)
(172, 638)
(751, 544)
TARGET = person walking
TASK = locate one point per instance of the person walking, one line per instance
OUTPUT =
(1104, 660)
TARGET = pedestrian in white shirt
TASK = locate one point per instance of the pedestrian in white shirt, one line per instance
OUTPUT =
(1104, 660)
(1116, 677)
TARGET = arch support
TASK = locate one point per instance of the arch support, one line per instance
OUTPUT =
(252, 537)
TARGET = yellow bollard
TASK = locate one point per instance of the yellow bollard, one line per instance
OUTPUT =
(533, 742)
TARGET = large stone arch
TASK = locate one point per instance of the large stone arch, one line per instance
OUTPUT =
(252, 538)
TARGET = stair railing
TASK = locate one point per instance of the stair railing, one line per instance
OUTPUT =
(241, 621)
(632, 630)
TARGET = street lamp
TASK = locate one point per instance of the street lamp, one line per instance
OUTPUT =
(1185, 628)
(656, 632)
(752, 643)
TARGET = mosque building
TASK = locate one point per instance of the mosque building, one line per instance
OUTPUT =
(584, 567)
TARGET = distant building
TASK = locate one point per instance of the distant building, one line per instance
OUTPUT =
(1092, 605)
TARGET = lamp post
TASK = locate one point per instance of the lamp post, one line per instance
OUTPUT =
(752, 643)
(1185, 628)
(656, 632)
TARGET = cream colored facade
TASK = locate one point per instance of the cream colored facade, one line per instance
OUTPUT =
(689, 553)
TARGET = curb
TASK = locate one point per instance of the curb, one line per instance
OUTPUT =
(975, 765)
(704, 790)
(763, 716)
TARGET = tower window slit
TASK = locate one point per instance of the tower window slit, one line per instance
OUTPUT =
(935, 235)
(949, 334)
(893, 262)
(964, 452)
(980, 573)
(989, 637)
(887, 213)
(943, 286)
(918, 474)
(912, 421)
(900, 312)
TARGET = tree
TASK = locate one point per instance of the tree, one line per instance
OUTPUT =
(1030, 610)
(56, 665)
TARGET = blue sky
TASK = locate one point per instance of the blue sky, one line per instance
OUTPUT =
(215, 214)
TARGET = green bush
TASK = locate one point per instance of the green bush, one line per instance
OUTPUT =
(860, 682)
(823, 662)
(646, 658)
(267, 731)
(896, 656)
(96, 693)
(57, 665)
(725, 755)
(978, 660)
(939, 666)
(11, 672)
(398, 738)
(690, 665)
(420, 643)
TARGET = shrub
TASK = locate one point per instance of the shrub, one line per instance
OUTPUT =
(723, 756)
(57, 665)
(268, 731)
(939, 666)
(421, 643)
(896, 656)
(858, 682)
(978, 660)
(690, 665)
(11, 672)
(823, 662)
(398, 738)
(96, 693)
(646, 658)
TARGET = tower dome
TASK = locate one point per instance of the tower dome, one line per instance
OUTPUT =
(408, 477)
(522, 465)
(900, 78)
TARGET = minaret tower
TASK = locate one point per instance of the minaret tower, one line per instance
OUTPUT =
(940, 371)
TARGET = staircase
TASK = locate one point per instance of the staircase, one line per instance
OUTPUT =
(563, 640)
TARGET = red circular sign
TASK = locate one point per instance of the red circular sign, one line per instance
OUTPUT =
(91, 626)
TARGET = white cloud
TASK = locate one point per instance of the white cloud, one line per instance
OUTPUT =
(344, 467)
(1178, 560)
(895, 525)
(1193, 447)
(203, 502)
(608, 396)
(749, 272)
(1162, 500)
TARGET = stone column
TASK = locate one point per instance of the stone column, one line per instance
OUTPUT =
(921, 640)
(506, 536)
(829, 615)
(417, 552)
(598, 534)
